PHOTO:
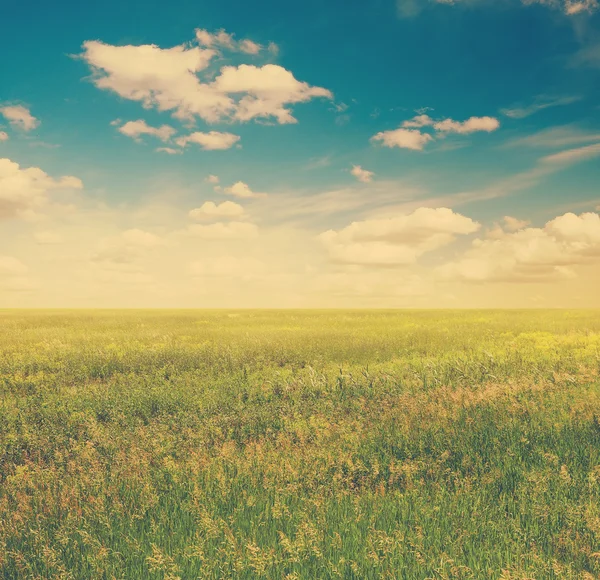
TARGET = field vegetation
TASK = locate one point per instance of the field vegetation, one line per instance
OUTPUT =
(299, 444)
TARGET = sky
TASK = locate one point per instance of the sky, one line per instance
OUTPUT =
(390, 153)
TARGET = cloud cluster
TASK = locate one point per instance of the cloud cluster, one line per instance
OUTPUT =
(24, 190)
(396, 240)
(529, 254)
(168, 79)
(20, 117)
(410, 136)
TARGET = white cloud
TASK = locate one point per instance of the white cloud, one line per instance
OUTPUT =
(362, 174)
(573, 155)
(20, 117)
(23, 190)
(268, 90)
(211, 210)
(213, 140)
(568, 7)
(3, 136)
(403, 138)
(419, 121)
(531, 254)
(213, 179)
(397, 240)
(582, 6)
(250, 47)
(226, 40)
(242, 190)
(556, 137)
(471, 125)
(233, 230)
(167, 79)
(540, 103)
(169, 150)
(220, 38)
(513, 224)
(134, 129)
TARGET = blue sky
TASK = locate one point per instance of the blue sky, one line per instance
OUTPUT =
(347, 126)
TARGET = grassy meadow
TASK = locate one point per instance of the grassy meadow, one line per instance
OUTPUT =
(299, 444)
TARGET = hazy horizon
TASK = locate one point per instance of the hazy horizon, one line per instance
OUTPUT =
(397, 154)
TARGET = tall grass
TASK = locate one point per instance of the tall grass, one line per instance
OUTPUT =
(299, 444)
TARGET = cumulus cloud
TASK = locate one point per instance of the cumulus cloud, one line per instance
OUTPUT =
(396, 240)
(212, 179)
(211, 210)
(242, 191)
(134, 129)
(471, 125)
(234, 230)
(513, 224)
(3, 136)
(20, 117)
(168, 80)
(213, 140)
(268, 89)
(362, 174)
(26, 189)
(531, 254)
(408, 136)
(418, 121)
(403, 138)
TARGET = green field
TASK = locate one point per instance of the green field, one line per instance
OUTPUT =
(299, 444)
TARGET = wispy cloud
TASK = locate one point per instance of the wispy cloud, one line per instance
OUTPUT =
(539, 103)
(561, 136)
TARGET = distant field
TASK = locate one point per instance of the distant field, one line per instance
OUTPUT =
(299, 444)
